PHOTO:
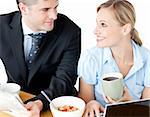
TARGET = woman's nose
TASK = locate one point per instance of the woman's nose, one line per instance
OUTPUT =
(96, 30)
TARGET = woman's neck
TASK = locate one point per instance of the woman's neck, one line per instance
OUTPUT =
(123, 53)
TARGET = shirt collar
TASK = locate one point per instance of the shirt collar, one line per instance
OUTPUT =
(27, 30)
(138, 58)
(107, 55)
(137, 53)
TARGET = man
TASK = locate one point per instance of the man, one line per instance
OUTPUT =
(53, 68)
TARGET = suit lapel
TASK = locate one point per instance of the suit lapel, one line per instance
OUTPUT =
(16, 42)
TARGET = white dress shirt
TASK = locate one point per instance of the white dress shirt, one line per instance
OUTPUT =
(28, 39)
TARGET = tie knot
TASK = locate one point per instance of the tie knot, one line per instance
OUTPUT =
(37, 35)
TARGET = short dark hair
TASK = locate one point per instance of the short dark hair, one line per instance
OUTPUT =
(27, 2)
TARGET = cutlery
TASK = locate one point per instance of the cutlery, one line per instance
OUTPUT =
(44, 94)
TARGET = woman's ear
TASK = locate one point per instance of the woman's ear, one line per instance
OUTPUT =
(126, 29)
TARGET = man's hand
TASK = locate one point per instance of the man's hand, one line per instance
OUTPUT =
(34, 107)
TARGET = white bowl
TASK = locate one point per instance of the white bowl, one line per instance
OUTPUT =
(69, 101)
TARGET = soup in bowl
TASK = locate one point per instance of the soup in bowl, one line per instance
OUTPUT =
(68, 106)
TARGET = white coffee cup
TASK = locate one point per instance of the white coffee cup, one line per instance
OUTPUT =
(112, 84)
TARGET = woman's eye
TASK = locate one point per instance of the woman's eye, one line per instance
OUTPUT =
(103, 25)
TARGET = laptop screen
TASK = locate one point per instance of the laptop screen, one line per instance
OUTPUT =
(138, 108)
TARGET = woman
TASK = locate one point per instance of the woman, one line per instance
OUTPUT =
(119, 49)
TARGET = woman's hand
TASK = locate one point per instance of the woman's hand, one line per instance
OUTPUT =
(93, 108)
(34, 107)
(126, 97)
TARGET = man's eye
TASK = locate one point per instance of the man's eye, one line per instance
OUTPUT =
(103, 25)
(56, 7)
(46, 9)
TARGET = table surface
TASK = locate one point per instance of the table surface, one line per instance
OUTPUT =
(25, 96)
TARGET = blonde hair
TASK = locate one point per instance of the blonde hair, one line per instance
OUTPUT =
(124, 13)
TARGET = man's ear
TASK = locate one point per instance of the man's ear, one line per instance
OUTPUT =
(126, 29)
(23, 8)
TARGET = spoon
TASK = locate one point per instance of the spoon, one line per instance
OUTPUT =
(44, 94)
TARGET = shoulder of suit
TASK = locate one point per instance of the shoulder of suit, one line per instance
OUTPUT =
(66, 20)
(9, 16)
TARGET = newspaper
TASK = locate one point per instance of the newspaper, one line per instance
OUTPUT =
(12, 104)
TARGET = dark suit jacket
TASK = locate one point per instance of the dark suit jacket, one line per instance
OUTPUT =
(55, 67)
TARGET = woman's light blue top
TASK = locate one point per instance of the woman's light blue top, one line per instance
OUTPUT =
(95, 62)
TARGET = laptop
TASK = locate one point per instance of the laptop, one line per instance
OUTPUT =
(136, 108)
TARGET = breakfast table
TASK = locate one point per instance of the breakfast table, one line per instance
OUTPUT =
(25, 96)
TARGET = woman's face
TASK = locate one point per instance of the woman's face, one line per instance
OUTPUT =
(108, 30)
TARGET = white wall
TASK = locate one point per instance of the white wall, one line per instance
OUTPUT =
(7, 6)
(83, 12)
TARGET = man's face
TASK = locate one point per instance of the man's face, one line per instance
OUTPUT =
(41, 15)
